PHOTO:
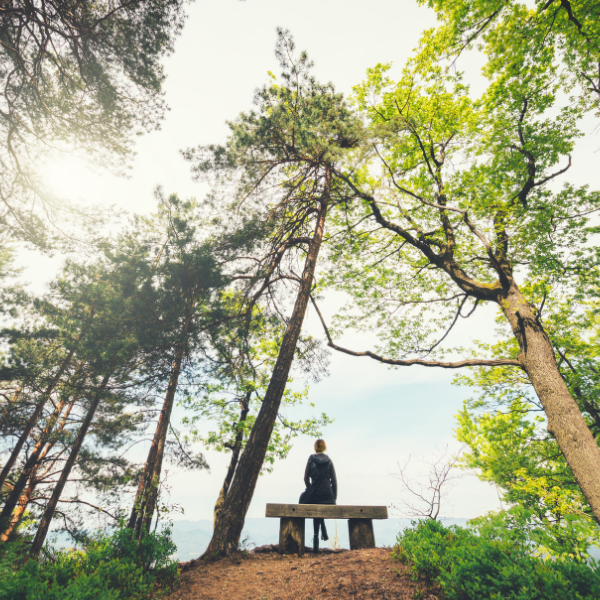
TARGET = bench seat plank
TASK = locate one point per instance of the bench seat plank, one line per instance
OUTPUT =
(326, 511)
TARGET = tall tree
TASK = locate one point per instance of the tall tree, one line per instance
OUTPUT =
(170, 248)
(60, 369)
(459, 207)
(281, 156)
(45, 464)
(47, 426)
(44, 525)
(505, 435)
(136, 324)
(50, 438)
(109, 351)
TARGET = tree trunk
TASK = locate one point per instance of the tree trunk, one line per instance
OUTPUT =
(145, 519)
(227, 533)
(34, 419)
(35, 478)
(42, 531)
(235, 454)
(565, 421)
(145, 501)
(30, 466)
(138, 503)
(21, 507)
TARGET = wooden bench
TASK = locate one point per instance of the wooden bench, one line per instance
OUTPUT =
(291, 525)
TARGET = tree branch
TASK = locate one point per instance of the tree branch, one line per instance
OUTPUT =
(98, 508)
(474, 288)
(468, 362)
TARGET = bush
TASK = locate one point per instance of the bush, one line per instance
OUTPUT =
(110, 567)
(467, 566)
(570, 538)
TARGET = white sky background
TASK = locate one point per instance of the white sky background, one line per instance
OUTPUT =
(381, 415)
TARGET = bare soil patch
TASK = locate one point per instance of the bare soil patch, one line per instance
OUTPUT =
(341, 575)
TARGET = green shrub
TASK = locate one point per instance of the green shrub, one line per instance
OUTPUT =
(571, 537)
(110, 567)
(467, 566)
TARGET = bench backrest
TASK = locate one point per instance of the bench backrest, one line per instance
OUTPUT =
(326, 511)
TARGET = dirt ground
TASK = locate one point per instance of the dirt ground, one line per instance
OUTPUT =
(341, 575)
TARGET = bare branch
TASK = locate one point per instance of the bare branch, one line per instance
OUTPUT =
(468, 362)
(98, 508)
(430, 490)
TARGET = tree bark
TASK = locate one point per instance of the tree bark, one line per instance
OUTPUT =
(235, 454)
(227, 532)
(42, 531)
(145, 519)
(138, 503)
(21, 507)
(145, 500)
(35, 478)
(30, 466)
(34, 418)
(565, 421)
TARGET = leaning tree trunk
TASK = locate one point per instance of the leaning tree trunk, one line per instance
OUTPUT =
(21, 507)
(35, 478)
(229, 527)
(30, 465)
(235, 455)
(139, 502)
(151, 495)
(147, 492)
(44, 525)
(33, 419)
(565, 421)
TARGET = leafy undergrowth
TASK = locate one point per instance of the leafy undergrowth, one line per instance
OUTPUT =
(110, 567)
(465, 566)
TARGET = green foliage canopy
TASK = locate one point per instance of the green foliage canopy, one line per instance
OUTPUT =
(557, 36)
(455, 196)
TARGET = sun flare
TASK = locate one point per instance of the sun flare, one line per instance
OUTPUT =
(68, 178)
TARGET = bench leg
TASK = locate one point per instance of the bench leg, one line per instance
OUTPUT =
(291, 535)
(361, 533)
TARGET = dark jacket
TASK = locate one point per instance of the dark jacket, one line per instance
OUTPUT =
(326, 493)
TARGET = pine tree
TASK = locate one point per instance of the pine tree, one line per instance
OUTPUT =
(281, 157)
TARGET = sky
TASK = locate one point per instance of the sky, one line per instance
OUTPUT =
(382, 415)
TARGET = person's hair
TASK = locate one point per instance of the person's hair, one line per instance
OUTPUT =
(320, 446)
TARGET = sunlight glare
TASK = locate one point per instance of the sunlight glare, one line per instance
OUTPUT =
(68, 178)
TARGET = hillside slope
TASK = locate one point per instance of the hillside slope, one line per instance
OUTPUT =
(341, 575)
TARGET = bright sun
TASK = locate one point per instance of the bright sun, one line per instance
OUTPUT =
(68, 178)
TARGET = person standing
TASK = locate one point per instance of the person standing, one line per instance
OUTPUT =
(321, 487)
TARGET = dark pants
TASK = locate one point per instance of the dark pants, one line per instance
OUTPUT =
(319, 523)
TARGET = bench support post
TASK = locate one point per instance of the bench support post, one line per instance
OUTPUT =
(361, 533)
(291, 535)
